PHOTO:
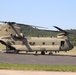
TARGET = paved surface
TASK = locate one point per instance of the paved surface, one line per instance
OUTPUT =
(38, 59)
(12, 72)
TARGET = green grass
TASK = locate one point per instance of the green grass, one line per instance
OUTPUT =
(37, 67)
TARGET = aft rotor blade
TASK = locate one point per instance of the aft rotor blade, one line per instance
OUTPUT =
(30, 25)
(8, 22)
(15, 30)
(2, 22)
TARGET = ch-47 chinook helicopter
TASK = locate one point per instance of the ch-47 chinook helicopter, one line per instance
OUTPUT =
(13, 39)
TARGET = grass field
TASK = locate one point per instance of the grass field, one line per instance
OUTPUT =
(37, 67)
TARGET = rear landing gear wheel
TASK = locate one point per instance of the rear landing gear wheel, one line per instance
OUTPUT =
(50, 53)
(42, 53)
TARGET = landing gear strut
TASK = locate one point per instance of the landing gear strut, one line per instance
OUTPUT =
(11, 50)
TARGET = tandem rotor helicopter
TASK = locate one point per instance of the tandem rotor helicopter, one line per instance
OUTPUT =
(13, 39)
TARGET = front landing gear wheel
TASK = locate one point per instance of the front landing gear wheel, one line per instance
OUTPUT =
(42, 53)
(16, 51)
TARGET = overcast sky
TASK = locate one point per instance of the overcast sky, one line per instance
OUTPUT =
(46, 13)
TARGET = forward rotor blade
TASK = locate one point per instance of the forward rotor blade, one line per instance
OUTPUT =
(60, 29)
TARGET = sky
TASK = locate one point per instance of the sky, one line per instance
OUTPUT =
(45, 13)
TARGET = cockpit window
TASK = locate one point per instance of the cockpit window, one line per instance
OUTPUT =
(68, 41)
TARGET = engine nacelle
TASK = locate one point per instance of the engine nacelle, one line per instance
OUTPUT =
(62, 36)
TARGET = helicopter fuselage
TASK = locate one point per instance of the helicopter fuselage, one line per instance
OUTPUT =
(13, 39)
(31, 44)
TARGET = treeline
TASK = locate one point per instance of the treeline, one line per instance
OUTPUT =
(30, 31)
(72, 36)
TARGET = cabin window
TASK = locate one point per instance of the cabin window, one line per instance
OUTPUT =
(9, 27)
(43, 43)
(62, 43)
(32, 43)
(53, 43)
